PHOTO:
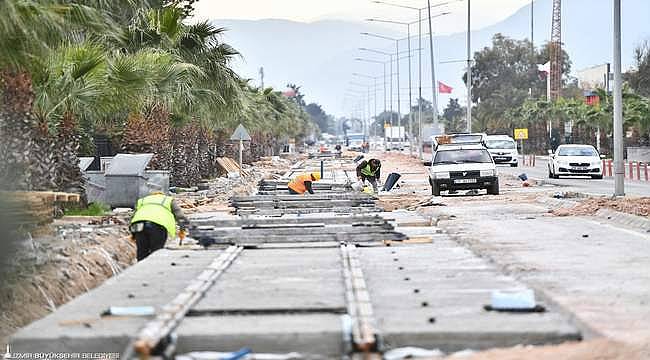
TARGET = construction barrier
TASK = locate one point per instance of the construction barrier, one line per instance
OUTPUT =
(634, 170)
(528, 160)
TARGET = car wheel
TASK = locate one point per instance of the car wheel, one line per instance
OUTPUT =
(435, 189)
(596, 177)
(514, 165)
(550, 173)
(493, 189)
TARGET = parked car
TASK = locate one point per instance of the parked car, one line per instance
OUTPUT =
(503, 149)
(463, 167)
(575, 160)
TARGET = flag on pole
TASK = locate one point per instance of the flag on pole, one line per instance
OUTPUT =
(444, 89)
(546, 68)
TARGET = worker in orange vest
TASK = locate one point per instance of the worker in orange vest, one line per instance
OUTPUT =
(302, 183)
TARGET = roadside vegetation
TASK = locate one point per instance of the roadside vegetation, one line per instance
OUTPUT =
(136, 75)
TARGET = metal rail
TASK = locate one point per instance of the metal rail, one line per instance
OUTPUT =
(365, 337)
(156, 335)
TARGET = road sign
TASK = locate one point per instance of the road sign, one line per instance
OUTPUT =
(521, 134)
(240, 134)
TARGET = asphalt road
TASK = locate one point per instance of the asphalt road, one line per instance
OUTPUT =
(579, 184)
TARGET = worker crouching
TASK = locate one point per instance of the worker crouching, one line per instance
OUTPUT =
(154, 221)
(369, 171)
(303, 183)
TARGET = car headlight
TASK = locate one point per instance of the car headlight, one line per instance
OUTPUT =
(441, 175)
(490, 172)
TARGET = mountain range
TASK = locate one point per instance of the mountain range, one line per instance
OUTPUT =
(320, 56)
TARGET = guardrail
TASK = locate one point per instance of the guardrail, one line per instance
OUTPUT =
(634, 170)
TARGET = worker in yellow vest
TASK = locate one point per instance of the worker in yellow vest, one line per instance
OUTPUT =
(371, 171)
(302, 183)
(154, 221)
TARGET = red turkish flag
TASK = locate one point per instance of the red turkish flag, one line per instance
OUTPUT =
(444, 89)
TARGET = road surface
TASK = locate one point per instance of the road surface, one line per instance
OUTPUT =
(579, 184)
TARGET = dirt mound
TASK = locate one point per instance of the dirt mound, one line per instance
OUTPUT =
(634, 206)
(57, 264)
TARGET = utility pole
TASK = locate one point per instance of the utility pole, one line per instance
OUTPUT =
(434, 99)
(619, 166)
(420, 84)
(469, 67)
(399, 102)
(262, 77)
(410, 132)
(532, 24)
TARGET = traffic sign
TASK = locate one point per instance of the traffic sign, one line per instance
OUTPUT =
(521, 134)
(240, 134)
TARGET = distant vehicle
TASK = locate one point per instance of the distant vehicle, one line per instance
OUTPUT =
(355, 141)
(396, 137)
(503, 149)
(463, 167)
(575, 160)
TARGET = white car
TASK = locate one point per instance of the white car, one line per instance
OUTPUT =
(503, 149)
(463, 167)
(575, 160)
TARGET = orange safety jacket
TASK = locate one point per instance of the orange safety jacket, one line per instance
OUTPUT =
(298, 183)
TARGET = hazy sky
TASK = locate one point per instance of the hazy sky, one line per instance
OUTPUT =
(484, 12)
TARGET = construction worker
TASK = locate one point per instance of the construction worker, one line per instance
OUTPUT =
(369, 170)
(302, 183)
(154, 221)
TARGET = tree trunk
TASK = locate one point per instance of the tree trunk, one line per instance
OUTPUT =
(16, 130)
(45, 170)
(69, 177)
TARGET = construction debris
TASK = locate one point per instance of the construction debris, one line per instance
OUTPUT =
(634, 206)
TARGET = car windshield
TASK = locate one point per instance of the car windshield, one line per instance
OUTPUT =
(577, 151)
(462, 156)
(500, 144)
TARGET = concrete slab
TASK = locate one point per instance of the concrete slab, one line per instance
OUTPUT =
(432, 295)
(312, 335)
(595, 270)
(77, 325)
(279, 280)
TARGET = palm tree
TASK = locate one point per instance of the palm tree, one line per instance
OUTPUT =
(24, 44)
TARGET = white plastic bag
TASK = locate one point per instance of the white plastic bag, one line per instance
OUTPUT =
(357, 186)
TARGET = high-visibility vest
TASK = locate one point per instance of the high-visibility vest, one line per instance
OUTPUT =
(156, 209)
(298, 183)
(368, 172)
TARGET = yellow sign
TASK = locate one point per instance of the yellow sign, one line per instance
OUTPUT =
(386, 125)
(521, 134)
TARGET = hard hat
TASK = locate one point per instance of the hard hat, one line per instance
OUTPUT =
(316, 176)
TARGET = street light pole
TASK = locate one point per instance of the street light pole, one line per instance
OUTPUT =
(619, 167)
(384, 65)
(434, 98)
(469, 67)
(420, 84)
(410, 131)
(399, 101)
